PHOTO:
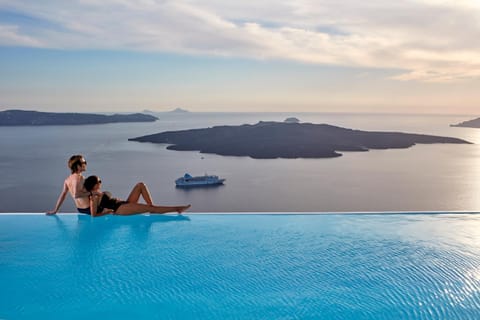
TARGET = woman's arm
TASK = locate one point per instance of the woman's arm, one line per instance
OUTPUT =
(60, 200)
(95, 199)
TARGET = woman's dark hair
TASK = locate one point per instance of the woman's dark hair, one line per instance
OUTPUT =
(90, 182)
(74, 162)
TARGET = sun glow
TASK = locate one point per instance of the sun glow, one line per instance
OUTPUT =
(474, 137)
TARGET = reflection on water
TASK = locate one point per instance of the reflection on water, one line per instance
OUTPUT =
(87, 226)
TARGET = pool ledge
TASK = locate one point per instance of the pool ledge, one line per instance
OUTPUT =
(282, 213)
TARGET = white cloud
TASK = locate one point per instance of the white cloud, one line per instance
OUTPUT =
(11, 36)
(430, 40)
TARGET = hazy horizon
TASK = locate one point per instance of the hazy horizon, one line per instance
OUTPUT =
(292, 112)
(265, 56)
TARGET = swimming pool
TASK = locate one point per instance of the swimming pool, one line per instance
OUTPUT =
(223, 266)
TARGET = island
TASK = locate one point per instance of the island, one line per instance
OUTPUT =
(269, 140)
(176, 111)
(179, 110)
(475, 123)
(291, 120)
(36, 118)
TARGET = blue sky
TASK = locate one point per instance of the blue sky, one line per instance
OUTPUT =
(300, 55)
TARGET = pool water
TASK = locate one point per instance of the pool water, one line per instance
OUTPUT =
(224, 266)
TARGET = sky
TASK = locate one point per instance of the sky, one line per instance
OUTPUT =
(413, 56)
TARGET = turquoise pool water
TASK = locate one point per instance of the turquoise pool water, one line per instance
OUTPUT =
(395, 266)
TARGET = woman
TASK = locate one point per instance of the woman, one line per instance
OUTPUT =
(73, 184)
(102, 203)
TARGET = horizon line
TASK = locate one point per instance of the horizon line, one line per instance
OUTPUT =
(186, 111)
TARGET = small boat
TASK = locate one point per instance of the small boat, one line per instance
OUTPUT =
(188, 181)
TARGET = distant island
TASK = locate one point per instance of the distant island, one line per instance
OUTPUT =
(269, 140)
(179, 110)
(36, 118)
(174, 111)
(475, 123)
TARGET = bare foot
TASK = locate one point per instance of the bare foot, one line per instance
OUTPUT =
(181, 209)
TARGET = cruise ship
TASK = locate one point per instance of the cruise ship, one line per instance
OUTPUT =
(188, 181)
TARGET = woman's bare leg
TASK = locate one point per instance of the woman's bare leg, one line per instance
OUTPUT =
(137, 208)
(140, 189)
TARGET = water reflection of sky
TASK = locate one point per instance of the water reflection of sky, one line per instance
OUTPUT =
(470, 165)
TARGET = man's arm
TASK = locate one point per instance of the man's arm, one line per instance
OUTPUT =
(60, 200)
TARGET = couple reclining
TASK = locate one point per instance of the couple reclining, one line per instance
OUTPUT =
(89, 198)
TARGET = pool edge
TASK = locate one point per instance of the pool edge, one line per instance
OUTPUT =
(278, 213)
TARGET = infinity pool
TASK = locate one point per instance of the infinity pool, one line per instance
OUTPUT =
(225, 266)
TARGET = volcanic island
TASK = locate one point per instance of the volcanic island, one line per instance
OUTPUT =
(270, 140)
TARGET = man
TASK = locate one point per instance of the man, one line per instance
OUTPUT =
(74, 185)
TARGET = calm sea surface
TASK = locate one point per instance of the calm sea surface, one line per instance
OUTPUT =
(421, 178)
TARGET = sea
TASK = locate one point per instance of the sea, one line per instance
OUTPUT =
(430, 177)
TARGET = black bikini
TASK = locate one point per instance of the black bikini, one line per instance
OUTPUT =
(108, 202)
(84, 210)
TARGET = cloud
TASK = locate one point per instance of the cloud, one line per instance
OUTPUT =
(11, 36)
(427, 40)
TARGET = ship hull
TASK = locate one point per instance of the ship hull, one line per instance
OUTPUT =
(198, 182)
